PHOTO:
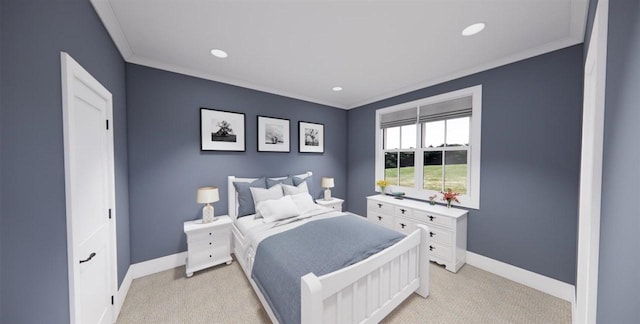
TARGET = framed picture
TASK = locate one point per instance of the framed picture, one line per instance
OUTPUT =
(221, 130)
(311, 137)
(274, 134)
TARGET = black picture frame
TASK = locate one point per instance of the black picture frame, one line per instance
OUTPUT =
(274, 134)
(310, 137)
(229, 137)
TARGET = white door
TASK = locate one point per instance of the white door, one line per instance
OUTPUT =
(591, 169)
(89, 186)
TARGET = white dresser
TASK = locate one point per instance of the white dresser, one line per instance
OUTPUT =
(208, 244)
(447, 226)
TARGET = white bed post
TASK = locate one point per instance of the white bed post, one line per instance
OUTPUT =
(423, 258)
(311, 299)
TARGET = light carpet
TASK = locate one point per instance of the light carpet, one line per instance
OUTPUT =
(222, 294)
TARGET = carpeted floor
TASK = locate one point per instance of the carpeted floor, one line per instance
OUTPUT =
(222, 294)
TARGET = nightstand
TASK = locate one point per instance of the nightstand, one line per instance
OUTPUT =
(208, 244)
(335, 203)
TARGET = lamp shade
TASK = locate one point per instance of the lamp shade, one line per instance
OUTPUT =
(208, 195)
(327, 182)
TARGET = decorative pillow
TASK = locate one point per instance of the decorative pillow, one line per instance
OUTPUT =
(292, 190)
(309, 180)
(304, 202)
(245, 199)
(260, 194)
(272, 182)
(278, 209)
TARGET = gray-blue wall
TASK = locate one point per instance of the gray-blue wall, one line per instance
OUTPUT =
(33, 232)
(166, 165)
(531, 128)
(619, 271)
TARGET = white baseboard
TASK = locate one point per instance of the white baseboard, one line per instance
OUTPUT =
(149, 267)
(146, 268)
(123, 291)
(536, 281)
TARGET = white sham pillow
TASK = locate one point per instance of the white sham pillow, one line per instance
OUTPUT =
(261, 194)
(304, 202)
(292, 190)
(277, 209)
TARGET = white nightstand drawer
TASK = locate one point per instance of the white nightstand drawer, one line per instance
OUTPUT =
(380, 207)
(384, 220)
(440, 251)
(434, 218)
(403, 225)
(208, 255)
(210, 235)
(403, 211)
(439, 235)
(207, 244)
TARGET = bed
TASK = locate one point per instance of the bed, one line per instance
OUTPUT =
(363, 292)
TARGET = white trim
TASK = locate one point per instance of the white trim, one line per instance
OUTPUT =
(152, 266)
(530, 279)
(589, 211)
(475, 145)
(122, 293)
(70, 71)
(111, 23)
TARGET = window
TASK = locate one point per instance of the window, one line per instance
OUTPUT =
(432, 145)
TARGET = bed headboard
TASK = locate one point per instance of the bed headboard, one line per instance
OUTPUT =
(233, 195)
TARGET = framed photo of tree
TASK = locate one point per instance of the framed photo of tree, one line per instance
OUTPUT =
(221, 130)
(311, 137)
(274, 134)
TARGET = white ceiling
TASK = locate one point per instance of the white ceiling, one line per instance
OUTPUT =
(372, 49)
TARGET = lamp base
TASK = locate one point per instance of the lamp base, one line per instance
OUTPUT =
(207, 214)
(327, 194)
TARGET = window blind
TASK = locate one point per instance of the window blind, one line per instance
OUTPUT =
(399, 118)
(456, 108)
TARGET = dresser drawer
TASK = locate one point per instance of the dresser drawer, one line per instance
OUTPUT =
(199, 257)
(381, 219)
(380, 207)
(403, 225)
(430, 218)
(208, 244)
(218, 235)
(440, 251)
(439, 235)
(403, 211)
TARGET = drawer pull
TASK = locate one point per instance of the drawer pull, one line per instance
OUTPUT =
(210, 242)
(379, 205)
(431, 247)
(210, 255)
(379, 218)
(403, 211)
(403, 225)
(431, 218)
(432, 234)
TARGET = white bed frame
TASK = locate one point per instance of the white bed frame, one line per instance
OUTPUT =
(364, 292)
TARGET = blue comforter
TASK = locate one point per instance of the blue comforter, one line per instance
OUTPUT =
(320, 246)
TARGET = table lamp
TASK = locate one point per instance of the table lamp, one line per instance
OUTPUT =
(207, 195)
(326, 184)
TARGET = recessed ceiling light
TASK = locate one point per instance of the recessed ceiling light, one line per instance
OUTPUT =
(473, 29)
(336, 89)
(219, 53)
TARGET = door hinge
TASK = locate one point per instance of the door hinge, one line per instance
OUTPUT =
(107, 124)
(109, 213)
(112, 300)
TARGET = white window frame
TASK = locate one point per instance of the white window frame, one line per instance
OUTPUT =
(472, 198)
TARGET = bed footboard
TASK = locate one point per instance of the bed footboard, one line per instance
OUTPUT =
(369, 290)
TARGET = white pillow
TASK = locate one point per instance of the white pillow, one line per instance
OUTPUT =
(304, 202)
(292, 190)
(275, 210)
(261, 194)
